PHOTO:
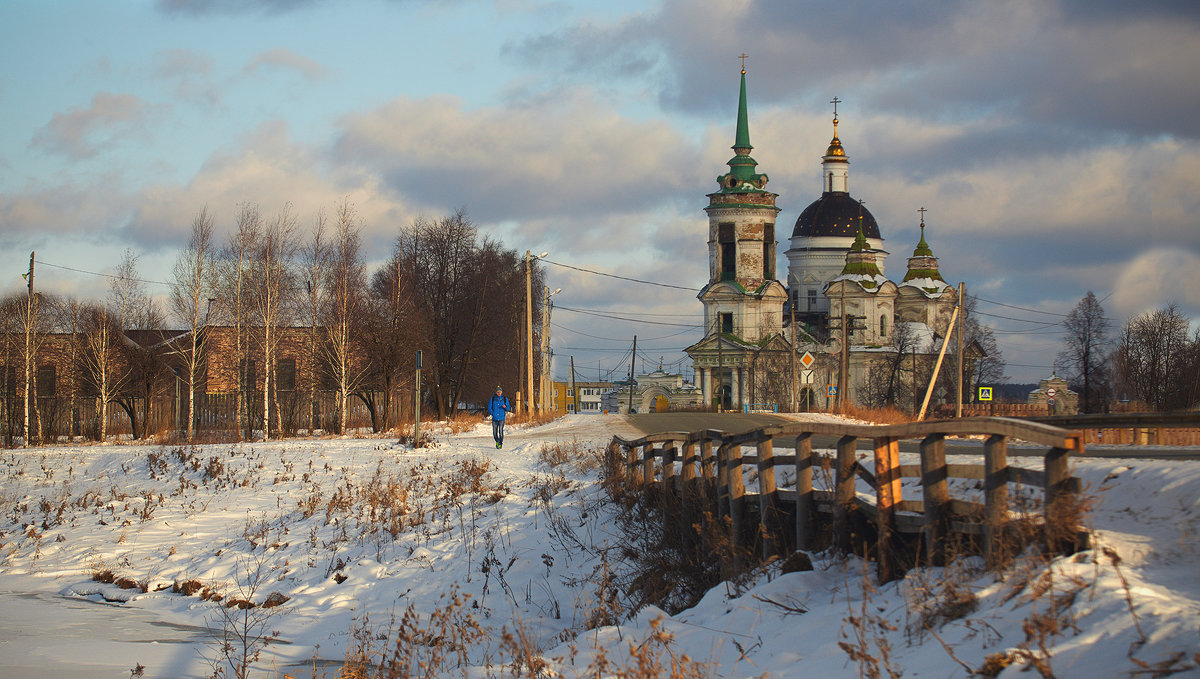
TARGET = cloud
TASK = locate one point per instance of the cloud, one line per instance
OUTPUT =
(560, 163)
(81, 132)
(1156, 278)
(288, 60)
(190, 72)
(206, 7)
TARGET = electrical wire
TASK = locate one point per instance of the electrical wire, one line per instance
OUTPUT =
(624, 278)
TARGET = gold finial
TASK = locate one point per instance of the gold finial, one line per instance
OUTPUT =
(742, 56)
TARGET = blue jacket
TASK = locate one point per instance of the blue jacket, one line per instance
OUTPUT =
(498, 407)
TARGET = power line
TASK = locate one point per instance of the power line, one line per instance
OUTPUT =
(97, 273)
(624, 278)
(628, 320)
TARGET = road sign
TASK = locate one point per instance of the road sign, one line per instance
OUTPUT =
(985, 393)
(832, 390)
(1051, 392)
(806, 377)
(807, 360)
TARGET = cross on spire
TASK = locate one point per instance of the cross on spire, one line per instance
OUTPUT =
(835, 101)
(743, 57)
(922, 210)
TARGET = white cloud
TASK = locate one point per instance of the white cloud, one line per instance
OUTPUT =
(81, 132)
(286, 59)
(1156, 278)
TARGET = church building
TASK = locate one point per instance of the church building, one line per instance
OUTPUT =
(835, 279)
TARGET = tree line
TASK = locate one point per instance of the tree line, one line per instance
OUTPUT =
(274, 286)
(1153, 359)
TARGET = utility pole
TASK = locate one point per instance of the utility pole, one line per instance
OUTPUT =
(632, 363)
(544, 381)
(528, 334)
(29, 325)
(844, 359)
(958, 330)
(574, 391)
(792, 306)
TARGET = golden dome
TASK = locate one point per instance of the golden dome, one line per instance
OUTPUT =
(835, 146)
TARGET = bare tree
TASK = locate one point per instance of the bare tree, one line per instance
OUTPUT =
(393, 327)
(466, 288)
(272, 291)
(314, 259)
(884, 385)
(232, 279)
(345, 291)
(101, 360)
(1153, 358)
(141, 323)
(189, 291)
(1083, 359)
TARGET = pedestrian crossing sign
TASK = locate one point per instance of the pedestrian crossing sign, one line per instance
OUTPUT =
(985, 393)
(832, 390)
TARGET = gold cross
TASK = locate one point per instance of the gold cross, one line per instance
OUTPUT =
(742, 56)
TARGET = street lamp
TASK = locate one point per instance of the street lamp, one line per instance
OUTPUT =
(529, 259)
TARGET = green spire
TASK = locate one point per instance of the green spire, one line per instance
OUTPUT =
(742, 141)
(742, 176)
(860, 241)
(923, 249)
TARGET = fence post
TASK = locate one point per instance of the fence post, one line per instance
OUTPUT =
(843, 497)
(631, 462)
(648, 453)
(706, 460)
(688, 455)
(995, 488)
(887, 496)
(1059, 490)
(804, 491)
(767, 516)
(937, 497)
(737, 493)
(669, 453)
(613, 462)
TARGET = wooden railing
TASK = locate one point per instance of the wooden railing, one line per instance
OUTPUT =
(790, 519)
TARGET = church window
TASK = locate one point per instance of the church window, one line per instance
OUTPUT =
(769, 251)
(728, 249)
(727, 322)
(883, 326)
(829, 186)
(812, 300)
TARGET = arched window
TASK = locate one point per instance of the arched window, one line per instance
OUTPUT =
(883, 326)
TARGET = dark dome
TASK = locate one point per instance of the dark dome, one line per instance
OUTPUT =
(835, 213)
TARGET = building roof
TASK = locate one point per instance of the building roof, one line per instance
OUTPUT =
(835, 213)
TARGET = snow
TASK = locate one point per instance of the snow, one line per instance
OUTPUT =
(526, 543)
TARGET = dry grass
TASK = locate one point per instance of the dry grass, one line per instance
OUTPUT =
(886, 415)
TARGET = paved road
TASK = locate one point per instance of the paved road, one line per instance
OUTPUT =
(738, 423)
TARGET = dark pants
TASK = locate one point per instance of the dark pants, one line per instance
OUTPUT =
(498, 430)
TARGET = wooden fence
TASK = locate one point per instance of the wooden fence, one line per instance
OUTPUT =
(704, 470)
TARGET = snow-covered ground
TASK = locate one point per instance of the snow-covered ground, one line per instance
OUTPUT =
(355, 532)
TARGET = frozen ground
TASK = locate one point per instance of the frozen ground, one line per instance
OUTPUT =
(528, 540)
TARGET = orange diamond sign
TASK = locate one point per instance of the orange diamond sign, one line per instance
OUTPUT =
(808, 359)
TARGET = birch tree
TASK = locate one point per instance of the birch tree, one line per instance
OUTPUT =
(314, 259)
(190, 285)
(137, 311)
(345, 289)
(100, 361)
(232, 279)
(273, 287)
(1084, 357)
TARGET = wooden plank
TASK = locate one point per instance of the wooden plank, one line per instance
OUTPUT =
(804, 492)
(888, 492)
(648, 455)
(844, 495)
(934, 474)
(737, 491)
(995, 491)
(706, 460)
(633, 462)
(768, 517)
(688, 472)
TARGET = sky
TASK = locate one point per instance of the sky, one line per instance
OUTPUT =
(1055, 144)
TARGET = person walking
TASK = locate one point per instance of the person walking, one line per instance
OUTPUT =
(498, 408)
